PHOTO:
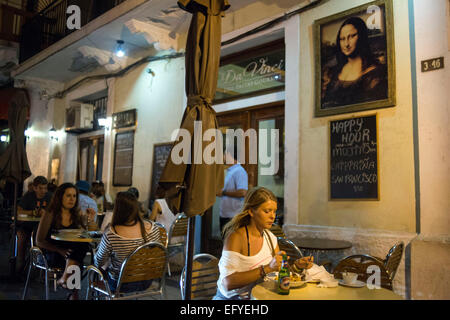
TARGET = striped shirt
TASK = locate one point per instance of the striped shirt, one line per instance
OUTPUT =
(114, 249)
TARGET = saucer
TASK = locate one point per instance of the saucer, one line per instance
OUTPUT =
(357, 284)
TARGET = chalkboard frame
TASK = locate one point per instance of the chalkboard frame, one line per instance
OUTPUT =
(127, 184)
(378, 159)
(152, 185)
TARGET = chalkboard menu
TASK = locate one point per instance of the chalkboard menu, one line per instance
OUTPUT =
(123, 159)
(161, 153)
(354, 159)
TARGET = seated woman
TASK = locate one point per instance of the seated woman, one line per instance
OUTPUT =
(250, 250)
(62, 213)
(126, 232)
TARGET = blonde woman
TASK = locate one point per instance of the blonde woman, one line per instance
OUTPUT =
(250, 250)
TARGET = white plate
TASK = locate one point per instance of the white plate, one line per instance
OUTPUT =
(296, 284)
(357, 284)
(272, 276)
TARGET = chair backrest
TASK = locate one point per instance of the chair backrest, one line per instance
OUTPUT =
(277, 231)
(179, 226)
(162, 233)
(290, 248)
(393, 259)
(205, 273)
(147, 262)
(359, 264)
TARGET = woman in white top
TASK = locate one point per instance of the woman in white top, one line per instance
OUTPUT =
(250, 250)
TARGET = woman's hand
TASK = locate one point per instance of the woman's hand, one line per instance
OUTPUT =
(65, 252)
(275, 264)
(305, 262)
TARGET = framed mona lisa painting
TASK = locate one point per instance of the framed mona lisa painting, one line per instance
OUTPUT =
(354, 61)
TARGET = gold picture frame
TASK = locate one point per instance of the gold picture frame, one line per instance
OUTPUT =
(364, 35)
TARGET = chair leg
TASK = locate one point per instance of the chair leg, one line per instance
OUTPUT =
(88, 291)
(46, 286)
(168, 268)
(55, 279)
(27, 281)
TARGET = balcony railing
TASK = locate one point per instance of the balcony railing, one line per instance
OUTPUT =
(50, 24)
(11, 21)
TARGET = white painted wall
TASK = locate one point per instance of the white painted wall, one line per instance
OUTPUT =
(433, 116)
(160, 101)
(430, 251)
(40, 147)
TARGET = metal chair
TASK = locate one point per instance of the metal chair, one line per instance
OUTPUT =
(38, 261)
(290, 248)
(359, 264)
(393, 259)
(205, 273)
(162, 232)
(178, 228)
(147, 262)
(277, 231)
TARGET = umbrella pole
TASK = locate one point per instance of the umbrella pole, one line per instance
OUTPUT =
(13, 250)
(189, 257)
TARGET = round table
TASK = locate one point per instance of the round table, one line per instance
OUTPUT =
(268, 291)
(74, 235)
(316, 245)
(27, 218)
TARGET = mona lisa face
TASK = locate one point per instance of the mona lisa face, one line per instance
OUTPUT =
(348, 39)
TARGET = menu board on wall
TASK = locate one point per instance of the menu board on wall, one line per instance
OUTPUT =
(354, 159)
(161, 153)
(123, 159)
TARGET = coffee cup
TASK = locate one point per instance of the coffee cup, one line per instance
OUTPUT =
(349, 277)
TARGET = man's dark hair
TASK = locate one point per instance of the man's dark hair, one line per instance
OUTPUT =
(39, 180)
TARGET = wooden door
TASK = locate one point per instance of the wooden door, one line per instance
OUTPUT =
(260, 117)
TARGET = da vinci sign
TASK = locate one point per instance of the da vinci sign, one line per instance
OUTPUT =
(252, 75)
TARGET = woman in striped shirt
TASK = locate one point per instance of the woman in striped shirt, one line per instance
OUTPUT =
(127, 232)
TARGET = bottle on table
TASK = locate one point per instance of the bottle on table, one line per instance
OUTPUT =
(284, 277)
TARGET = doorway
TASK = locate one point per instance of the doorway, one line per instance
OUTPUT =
(90, 158)
(267, 120)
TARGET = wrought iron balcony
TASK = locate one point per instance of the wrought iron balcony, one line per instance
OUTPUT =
(50, 24)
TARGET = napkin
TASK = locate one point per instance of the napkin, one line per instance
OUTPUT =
(316, 272)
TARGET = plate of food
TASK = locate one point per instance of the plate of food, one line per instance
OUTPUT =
(272, 276)
(297, 280)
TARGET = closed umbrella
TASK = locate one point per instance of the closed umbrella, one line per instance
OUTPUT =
(192, 187)
(13, 162)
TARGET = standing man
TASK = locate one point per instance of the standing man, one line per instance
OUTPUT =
(86, 202)
(37, 199)
(234, 188)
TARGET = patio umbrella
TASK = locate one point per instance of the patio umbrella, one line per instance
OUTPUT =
(13, 162)
(192, 187)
